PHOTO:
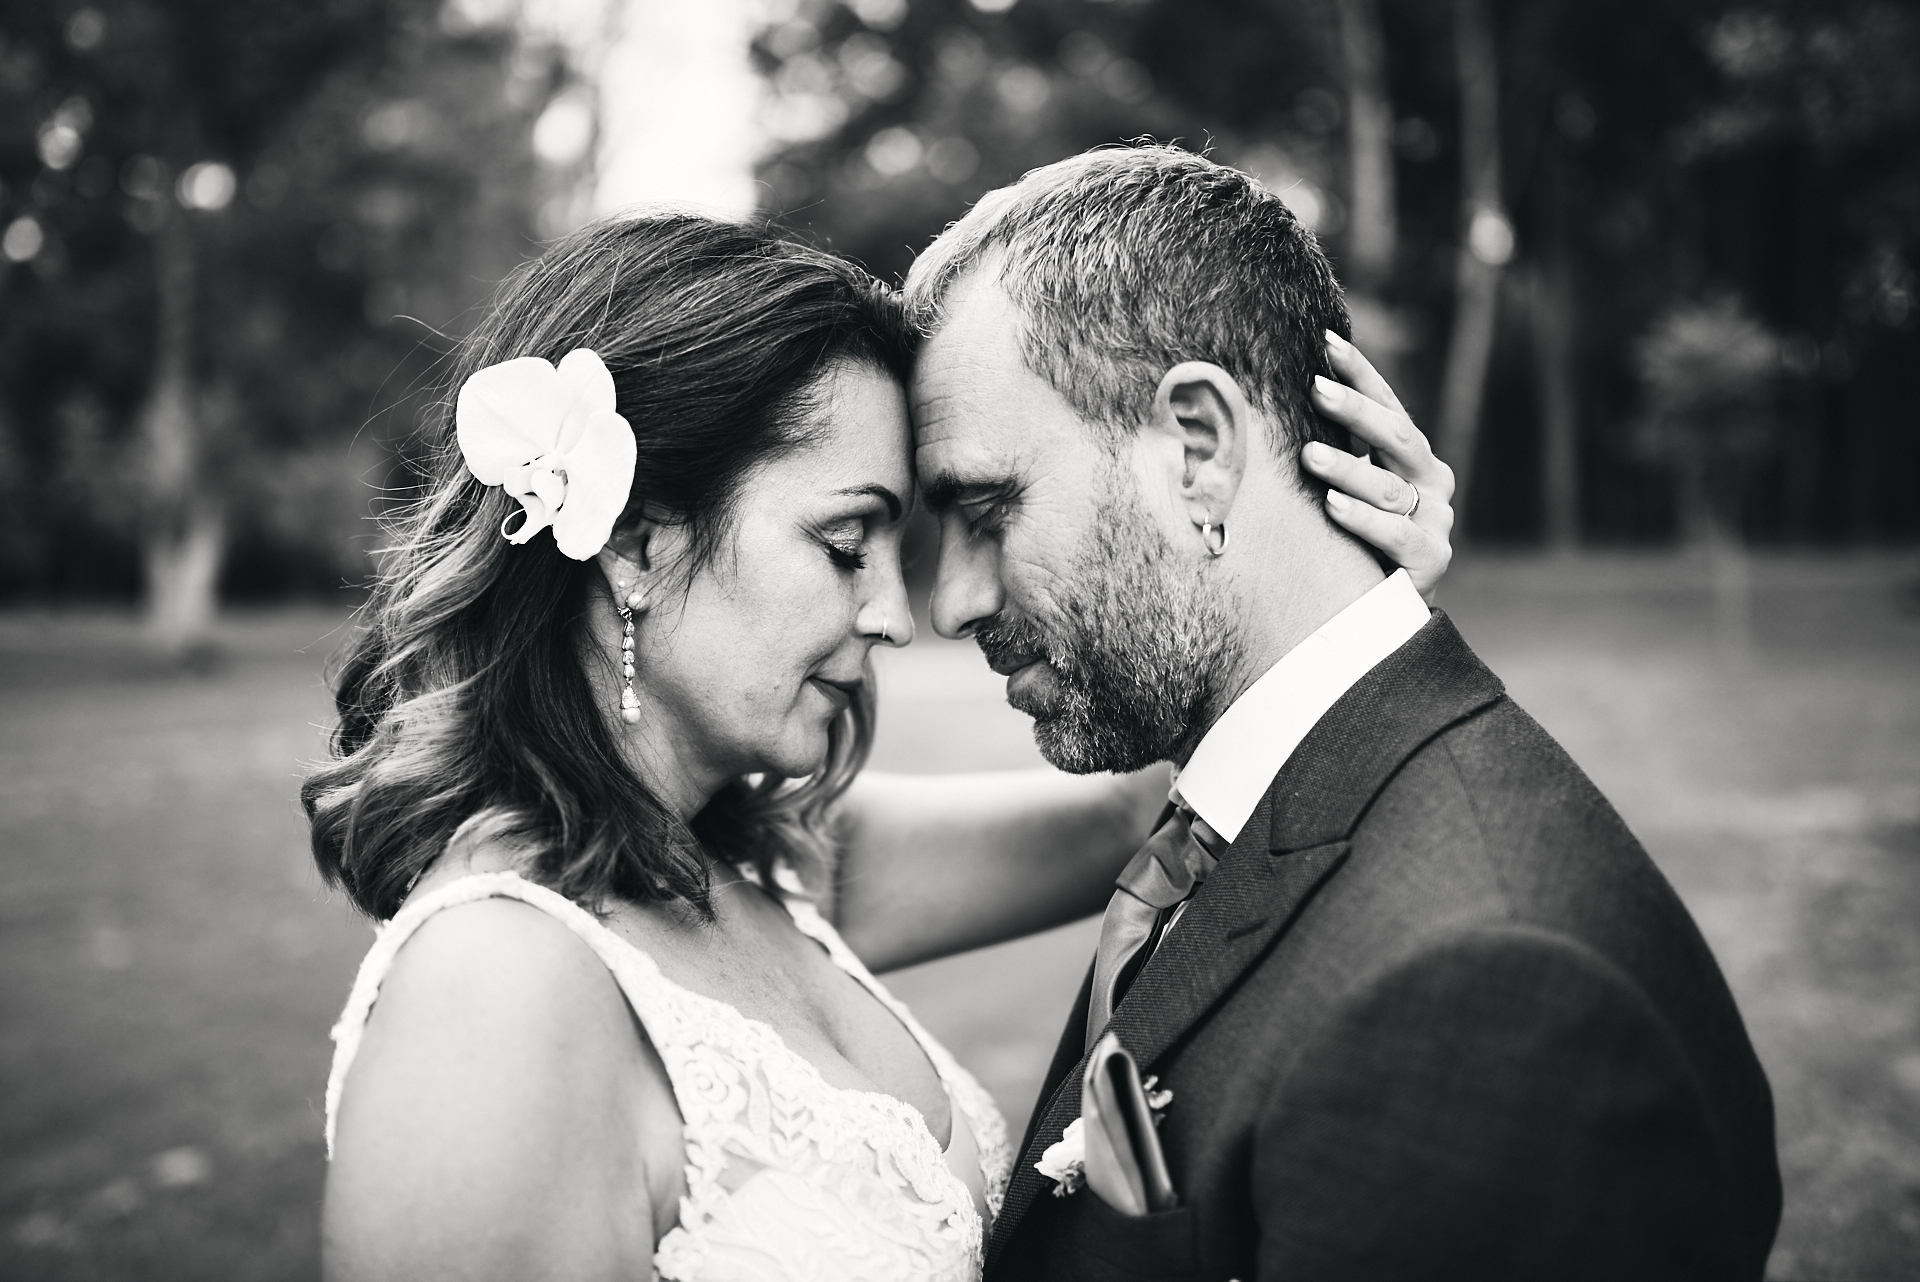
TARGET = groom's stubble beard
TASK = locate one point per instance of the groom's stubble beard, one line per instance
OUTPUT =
(1138, 647)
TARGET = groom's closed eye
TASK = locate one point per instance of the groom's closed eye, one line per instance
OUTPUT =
(985, 517)
(982, 504)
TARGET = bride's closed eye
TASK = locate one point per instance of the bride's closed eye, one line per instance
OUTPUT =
(845, 544)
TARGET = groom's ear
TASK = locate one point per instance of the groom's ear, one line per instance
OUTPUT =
(1202, 409)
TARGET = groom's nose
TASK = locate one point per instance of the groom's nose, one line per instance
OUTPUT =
(966, 582)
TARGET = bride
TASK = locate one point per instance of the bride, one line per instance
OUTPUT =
(597, 771)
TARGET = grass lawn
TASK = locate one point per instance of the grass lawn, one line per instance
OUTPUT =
(169, 964)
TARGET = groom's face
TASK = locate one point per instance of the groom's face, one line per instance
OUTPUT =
(1053, 556)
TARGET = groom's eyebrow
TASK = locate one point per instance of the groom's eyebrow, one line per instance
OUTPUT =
(947, 490)
(894, 506)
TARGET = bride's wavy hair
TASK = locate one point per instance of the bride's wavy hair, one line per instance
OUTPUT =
(465, 711)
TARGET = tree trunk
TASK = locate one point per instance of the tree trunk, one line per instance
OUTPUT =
(1550, 312)
(1729, 569)
(1710, 522)
(1487, 244)
(1372, 230)
(182, 534)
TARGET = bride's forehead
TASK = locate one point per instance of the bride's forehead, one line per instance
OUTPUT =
(852, 443)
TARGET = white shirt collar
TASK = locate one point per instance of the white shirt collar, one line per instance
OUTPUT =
(1240, 755)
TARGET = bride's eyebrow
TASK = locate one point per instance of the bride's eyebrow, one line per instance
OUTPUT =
(894, 506)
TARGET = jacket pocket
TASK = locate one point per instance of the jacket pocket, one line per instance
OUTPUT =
(1107, 1246)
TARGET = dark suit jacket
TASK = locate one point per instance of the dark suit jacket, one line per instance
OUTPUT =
(1436, 1014)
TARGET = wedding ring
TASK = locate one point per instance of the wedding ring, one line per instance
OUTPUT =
(1415, 505)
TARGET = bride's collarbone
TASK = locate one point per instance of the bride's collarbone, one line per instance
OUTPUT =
(766, 968)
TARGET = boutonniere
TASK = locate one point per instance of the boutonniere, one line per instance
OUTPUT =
(1065, 1163)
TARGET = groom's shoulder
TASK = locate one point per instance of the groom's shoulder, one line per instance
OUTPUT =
(1492, 824)
(1493, 810)
(1512, 800)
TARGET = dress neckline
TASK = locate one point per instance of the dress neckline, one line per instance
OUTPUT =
(884, 1099)
(744, 1094)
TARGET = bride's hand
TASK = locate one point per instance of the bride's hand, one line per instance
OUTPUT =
(1368, 409)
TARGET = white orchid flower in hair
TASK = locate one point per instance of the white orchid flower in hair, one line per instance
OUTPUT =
(550, 437)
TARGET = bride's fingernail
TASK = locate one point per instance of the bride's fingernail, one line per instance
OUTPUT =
(1337, 501)
(1326, 387)
(1334, 340)
(1317, 453)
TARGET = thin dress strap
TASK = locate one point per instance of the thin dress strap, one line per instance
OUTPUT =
(391, 936)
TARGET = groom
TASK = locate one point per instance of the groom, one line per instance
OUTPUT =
(1424, 1006)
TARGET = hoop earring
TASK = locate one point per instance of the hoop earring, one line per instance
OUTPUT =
(629, 700)
(1207, 530)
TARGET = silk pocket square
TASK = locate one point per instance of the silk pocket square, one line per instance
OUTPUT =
(1124, 1162)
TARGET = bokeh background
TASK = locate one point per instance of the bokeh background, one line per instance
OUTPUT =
(1643, 268)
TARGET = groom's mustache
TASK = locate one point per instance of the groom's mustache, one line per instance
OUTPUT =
(1010, 644)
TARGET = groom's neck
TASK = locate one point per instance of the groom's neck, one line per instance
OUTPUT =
(1297, 574)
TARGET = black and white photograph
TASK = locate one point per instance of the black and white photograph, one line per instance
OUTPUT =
(959, 640)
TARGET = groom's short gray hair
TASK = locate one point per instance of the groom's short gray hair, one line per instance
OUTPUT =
(1123, 262)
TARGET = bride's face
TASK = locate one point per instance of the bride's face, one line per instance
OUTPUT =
(746, 671)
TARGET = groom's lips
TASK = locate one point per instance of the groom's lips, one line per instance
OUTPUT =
(1028, 675)
(1008, 664)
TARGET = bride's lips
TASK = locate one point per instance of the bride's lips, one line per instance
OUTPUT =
(839, 693)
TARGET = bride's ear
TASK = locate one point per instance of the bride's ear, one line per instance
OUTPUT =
(628, 563)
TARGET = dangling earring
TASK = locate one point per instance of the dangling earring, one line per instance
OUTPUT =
(629, 701)
(1207, 530)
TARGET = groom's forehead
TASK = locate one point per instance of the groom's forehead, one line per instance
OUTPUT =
(963, 391)
(966, 444)
(955, 438)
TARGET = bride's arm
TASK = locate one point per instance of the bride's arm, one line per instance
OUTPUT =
(503, 1119)
(933, 865)
(937, 864)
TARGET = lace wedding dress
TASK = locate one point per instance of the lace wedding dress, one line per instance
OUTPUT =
(788, 1177)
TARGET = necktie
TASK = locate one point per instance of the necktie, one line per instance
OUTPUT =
(1168, 869)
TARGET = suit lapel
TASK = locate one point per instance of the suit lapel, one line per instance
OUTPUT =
(1292, 843)
(1243, 907)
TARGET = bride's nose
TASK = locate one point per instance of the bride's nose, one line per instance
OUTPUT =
(887, 622)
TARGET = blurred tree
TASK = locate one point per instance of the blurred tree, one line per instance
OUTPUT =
(1373, 233)
(1629, 153)
(1486, 243)
(216, 209)
(1807, 158)
(1711, 374)
(1372, 241)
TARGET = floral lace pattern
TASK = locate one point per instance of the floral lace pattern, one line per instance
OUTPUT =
(788, 1176)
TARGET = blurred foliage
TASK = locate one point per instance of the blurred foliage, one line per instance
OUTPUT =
(1710, 372)
(1658, 153)
(341, 166)
(346, 163)
(1711, 375)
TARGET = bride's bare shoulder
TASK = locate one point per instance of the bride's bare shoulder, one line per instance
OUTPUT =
(499, 1103)
(491, 972)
